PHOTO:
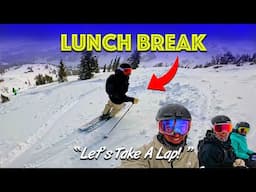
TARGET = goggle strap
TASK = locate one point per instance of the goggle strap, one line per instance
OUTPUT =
(122, 69)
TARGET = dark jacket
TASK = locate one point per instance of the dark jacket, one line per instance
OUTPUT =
(116, 87)
(213, 153)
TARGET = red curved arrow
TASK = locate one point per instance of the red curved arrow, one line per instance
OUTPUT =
(158, 83)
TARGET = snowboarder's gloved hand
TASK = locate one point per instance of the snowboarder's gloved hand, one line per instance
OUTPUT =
(239, 163)
(135, 100)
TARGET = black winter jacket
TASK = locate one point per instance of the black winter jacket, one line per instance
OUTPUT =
(116, 87)
(213, 153)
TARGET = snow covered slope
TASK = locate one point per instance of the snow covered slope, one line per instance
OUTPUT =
(38, 127)
(23, 77)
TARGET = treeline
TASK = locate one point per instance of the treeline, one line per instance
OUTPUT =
(86, 69)
(44, 79)
(229, 59)
(89, 64)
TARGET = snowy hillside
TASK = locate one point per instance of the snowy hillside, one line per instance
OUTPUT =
(23, 77)
(39, 126)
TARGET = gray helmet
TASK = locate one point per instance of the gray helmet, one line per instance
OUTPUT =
(175, 111)
(220, 119)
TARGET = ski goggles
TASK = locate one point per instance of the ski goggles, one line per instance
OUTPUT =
(243, 130)
(126, 71)
(171, 126)
(220, 127)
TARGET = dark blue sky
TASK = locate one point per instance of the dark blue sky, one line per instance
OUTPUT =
(42, 32)
(26, 42)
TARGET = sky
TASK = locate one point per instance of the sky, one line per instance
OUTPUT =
(31, 43)
(40, 32)
(39, 126)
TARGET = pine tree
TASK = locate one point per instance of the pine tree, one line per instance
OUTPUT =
(116, 63)
(134, 59)
(244, 58)
(48, 78)
(87, 66)
(40, 80)
(96, 65)
(1, 70)
(113, 64)
(104, 68)
(254, 57)
(62, 74)
(229, 57)
(109, 67)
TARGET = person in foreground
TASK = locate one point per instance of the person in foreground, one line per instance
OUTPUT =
(174, 123)
(215, 150)
(239, 143)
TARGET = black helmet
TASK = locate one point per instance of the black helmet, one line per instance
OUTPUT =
(242, 124)
(175, 111)
(125, 66)
(220, 119)
(125, 69)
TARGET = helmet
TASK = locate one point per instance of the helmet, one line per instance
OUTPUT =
(242, 124)
(222, 127)
(242, 128)
(175, 111)
(125, 68)
(220, 119)
(125, 65)
(174, 123)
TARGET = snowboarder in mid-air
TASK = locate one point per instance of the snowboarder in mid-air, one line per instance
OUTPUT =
(116, 87)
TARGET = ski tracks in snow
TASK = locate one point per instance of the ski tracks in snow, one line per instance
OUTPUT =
(40, 157)
(202, 102)
(195, 100)
(34, 140)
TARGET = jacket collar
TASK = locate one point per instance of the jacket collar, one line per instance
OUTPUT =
(160, 141)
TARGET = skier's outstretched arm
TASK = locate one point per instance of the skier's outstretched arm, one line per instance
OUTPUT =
(131, 99)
